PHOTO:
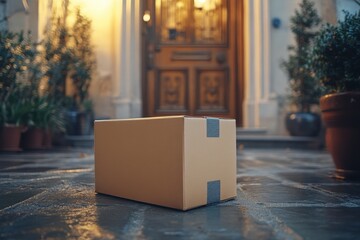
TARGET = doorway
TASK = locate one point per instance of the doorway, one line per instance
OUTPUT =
(193, 62)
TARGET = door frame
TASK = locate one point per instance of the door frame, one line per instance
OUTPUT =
(239, 62)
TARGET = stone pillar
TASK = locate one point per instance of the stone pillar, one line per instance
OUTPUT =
(327, 10)
(127, 64)
(260, 110)
(22, 16)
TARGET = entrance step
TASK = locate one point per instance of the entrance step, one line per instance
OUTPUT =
(86, 141)
(251, 131)
(278, 142)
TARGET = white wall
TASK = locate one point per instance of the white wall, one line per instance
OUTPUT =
(3, 23)
(280, 39)
(22, 19)
(347, 5)
(103, 15)
(116, 86)
(265, 47)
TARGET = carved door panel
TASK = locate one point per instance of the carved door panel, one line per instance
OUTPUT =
(190, 58)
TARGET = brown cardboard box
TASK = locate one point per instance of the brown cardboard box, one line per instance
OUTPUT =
(179, 162)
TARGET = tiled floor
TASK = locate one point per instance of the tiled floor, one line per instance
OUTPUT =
(282, 194)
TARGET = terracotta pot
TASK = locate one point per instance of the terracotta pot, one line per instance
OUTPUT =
(10, 138)
(32, 139)
(341, 115)
(47, 139)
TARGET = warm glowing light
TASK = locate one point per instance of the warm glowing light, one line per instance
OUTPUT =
(179, 4)
(199, 3)
(146, 16)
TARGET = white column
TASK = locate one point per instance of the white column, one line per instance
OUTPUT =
(127, 64)
(250, 114)
(268, 104)
(260, 111)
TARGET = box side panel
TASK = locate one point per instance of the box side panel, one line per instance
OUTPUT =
(209, 161)
(140, 160)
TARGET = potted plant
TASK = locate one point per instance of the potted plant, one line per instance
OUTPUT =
(81, 109)
(45, 118)
(14, 53)
(69, 55)
(56, 54)
(302, 121)
(13, 112)
(54, 122)
(32, 138)
(336, 56)
(44, 115)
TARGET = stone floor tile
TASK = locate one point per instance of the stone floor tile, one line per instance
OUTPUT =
(282, 194)
(286, 194)
(309, 177)
(321, 222)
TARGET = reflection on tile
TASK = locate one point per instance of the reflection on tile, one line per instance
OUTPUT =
(351, 191)
(255, 179)
(13, 197)
(321, 223)
(6, 164)
(285, 194)
(214, 222)
(309, 177)
(30, 169)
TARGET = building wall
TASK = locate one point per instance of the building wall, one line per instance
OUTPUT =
(348, 5)
(3, 22)
(20, 17)
(280, 38)
(117, 34)
(104, 18)
(116, 88)
(268, 110)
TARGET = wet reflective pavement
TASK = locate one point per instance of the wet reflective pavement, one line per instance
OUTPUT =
(282, 194)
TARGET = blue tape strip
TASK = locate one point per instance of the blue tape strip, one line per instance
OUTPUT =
(213, 191)
(212, 127)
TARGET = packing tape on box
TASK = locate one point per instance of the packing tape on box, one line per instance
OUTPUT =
(213, 191)
(212, 127)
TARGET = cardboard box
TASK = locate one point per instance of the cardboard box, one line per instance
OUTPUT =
(178, 162)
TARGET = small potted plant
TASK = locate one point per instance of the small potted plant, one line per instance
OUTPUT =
(70, 61)
(32, 138)
(54, 122)
(13, 111)
(302, 121)
(81, 108)
(336, 57)
(44, 119)
(56, 54)
(14, 53)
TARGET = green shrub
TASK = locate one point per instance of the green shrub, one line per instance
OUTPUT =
(336, 55)
(298, 68)
(16, 53)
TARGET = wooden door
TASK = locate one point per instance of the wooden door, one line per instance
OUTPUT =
(190, 58)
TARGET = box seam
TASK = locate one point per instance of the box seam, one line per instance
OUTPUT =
(183, 166)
